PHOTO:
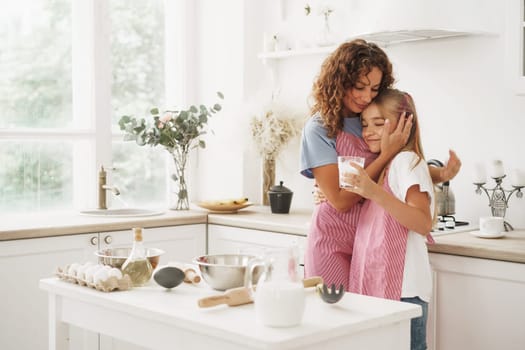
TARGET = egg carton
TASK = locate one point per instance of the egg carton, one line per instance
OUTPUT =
(110, 284)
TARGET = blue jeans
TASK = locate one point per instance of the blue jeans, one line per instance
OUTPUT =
(418, 326)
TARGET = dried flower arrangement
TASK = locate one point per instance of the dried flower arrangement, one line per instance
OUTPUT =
(272, 130)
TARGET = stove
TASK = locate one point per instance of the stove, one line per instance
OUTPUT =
(447, 224)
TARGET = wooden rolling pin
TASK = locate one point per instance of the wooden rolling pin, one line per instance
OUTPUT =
(191, 276)
(241, 295)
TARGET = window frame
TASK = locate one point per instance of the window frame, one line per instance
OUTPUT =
(92, 134)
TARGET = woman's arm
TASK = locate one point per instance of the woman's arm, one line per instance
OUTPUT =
(327, 177)
(414, 214)
(448, 172)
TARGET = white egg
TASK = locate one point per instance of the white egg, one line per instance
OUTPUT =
(72, 271)
(90, 273)
(101, 275)
(114, 272)
(82, 269)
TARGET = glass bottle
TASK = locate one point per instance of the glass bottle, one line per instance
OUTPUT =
(137, 265)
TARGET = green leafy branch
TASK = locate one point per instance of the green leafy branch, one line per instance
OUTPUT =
(174, 129)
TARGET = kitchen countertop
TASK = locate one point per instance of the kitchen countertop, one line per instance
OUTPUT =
(68, 222)
(261, 218)
(173, 317)
(509, 248)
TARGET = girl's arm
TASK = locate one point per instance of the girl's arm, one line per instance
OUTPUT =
(414, 214)
(327, 176)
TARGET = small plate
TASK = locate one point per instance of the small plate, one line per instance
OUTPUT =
(485, 235)
(223, 208)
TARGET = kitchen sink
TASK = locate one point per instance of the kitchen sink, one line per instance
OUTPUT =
(121, 212)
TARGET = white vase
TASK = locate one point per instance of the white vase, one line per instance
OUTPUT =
(326, 37)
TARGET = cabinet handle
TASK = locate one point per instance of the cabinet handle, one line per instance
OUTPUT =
(108, 239)
(94, 240)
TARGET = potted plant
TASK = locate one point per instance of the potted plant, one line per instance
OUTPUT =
(178, 131)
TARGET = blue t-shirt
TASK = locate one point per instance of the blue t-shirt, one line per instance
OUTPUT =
(317, 149)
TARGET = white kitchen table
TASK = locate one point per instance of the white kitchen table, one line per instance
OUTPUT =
(157, 318)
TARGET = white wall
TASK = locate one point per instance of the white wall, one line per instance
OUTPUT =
(461, 87)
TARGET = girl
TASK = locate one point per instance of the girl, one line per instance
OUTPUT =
(390, 258)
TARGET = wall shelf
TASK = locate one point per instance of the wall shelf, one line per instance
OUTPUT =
(382, 38)
(298, 52)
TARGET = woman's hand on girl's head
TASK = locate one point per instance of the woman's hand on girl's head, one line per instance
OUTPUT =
(393, 141)
(361, 183)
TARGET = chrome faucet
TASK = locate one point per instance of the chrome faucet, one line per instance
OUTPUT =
(103, 187)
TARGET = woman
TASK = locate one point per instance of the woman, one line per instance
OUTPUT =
(350, 78)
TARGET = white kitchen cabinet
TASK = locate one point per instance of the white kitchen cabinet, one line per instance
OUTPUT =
(478, 304)
(181, 244)
(23, 263)
(232, 240)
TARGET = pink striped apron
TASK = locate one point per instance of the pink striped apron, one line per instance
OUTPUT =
(379, 252)
(331, 236)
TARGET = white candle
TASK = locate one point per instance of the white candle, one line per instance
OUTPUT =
(497, 169)
(479, 175)
(517, 178)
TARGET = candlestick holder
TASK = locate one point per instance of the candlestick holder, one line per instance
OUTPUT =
(499, 198)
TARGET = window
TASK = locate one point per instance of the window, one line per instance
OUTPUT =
(35, 94)
(137, 61)
(69, 69)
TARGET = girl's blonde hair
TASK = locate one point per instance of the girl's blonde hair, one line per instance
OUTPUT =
(341, 71)
(391, 104)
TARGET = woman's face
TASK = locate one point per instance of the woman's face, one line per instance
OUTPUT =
(358, 97)
(373, 126)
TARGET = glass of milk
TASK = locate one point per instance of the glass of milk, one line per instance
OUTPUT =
(344, 167)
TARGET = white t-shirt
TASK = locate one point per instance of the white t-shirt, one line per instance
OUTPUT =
(417, 277)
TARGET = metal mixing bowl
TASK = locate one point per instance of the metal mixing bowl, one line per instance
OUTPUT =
(225, 271)
(115, 257)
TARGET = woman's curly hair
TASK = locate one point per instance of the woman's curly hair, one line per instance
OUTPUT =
(341, 71)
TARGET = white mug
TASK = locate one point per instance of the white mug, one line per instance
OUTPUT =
(491, 225)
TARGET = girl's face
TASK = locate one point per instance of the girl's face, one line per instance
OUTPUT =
(373, 127)
(358, 97)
